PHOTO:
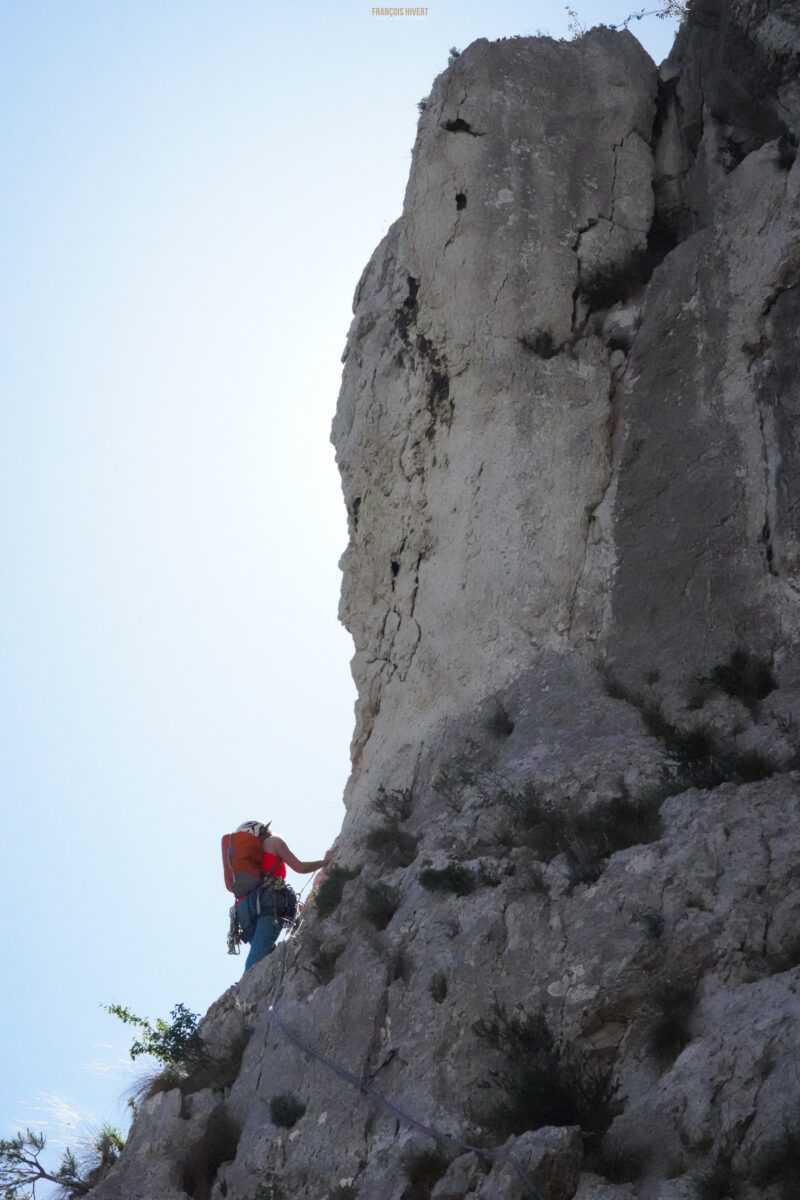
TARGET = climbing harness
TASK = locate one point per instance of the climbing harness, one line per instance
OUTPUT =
(283, 909)
(364, 1086)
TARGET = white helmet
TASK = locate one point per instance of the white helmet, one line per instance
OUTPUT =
(253, 827)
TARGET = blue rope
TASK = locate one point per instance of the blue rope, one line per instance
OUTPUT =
(366, 1089)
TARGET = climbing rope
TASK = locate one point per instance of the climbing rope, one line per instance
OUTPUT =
(366, 1089)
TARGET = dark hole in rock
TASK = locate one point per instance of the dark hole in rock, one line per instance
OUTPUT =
(459, 126)
(218, 1145)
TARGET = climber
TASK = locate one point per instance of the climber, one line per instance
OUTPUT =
(261, 912)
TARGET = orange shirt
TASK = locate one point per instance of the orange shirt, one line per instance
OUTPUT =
(268, 866)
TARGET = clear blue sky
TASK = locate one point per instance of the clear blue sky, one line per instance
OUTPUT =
(189, 190)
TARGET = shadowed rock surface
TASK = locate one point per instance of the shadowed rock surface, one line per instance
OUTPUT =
(567, 434)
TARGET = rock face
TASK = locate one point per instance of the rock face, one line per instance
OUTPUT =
(565, 938)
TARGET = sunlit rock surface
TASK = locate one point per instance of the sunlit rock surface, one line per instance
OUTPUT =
(567, 438)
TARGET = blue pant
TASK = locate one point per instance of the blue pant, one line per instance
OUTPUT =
(263, 931)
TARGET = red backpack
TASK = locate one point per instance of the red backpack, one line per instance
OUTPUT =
(241, 862)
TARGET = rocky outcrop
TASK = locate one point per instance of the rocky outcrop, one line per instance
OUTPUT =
(560, 956)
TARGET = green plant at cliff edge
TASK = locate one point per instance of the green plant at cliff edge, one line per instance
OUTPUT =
(172, 1043)
(21, 1167)
(665, 10)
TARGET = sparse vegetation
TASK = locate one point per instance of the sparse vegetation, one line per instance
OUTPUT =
(745, 676)
(343, 1191)
(777, 1165)
(717, 1182)
(394, 845)
(587, 839)
(423, 1167)
(453, 55)
(787, 957)
(610, 283)
(394, 804)
(671, 1030)
(652, 923)
(531, 877)
(617, 1163)
(195, 1074)
(454, 878)
(543, 1081)
(184, 1057)
(285, 1110)
(663, 11)
(269, 1188)
(379, 905)
(329, 893)
(438, 987)
(21, 1166)
(172, 1043)
(324, 957)
(702, 760)
(540, 343)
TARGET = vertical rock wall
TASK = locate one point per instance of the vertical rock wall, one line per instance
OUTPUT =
(565, 934)
(476, 416)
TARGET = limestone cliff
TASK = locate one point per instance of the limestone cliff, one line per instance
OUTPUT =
(568, 441)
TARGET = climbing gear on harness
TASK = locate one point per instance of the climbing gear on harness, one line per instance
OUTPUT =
(282, 895)
(235, 938)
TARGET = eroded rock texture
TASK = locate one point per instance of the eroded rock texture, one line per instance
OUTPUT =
(568, 936)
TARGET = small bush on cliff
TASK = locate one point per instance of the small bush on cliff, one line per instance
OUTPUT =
(671, 1030)
(540, 342)
(617, 1163)
(543, 1081)
(343, 1191)
(394, 845)
(184, 1057)
(269, 1189)
(586, 839)
(745, 676)
(380, 904)
(453, 878)
(423, 1167)
(777, 1164)
(219, 1071)
(172, 1043)
(717, 1182)
(702, 760)
(609, 284)
(324, 956)
(329, 895)
(394, 804)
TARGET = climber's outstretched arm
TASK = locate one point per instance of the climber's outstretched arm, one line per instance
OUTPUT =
(277, 846)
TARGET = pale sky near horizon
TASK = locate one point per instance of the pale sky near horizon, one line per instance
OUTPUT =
(190, 191)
